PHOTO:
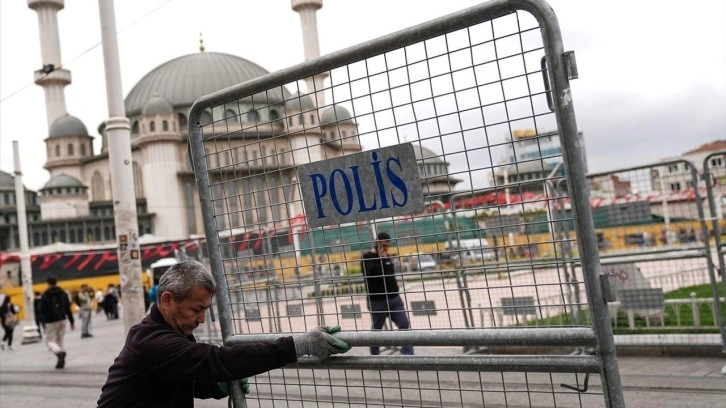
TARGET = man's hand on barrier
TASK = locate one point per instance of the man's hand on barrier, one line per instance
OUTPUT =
(243, 383)
(320, 342)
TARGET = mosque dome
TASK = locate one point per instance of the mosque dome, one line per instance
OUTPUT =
(183, 80)
(299, 103)
(67, 125)
(157, 105)
(425, 155)
(63, 180)
(7, 181)
(336, 114)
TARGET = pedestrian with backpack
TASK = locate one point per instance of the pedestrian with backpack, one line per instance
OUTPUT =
(9, 320)
(56, 308)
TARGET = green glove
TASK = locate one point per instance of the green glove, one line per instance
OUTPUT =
(244, 383)
(320, 342)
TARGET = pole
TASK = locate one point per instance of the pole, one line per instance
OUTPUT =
(666, 213)
(122, 180)
(30, 330)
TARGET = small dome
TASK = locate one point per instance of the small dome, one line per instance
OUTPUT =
(426, 155)
(7, 181)
(156, 105)
(337, 114)
(63, 180)
(299, 103)
(67, 125)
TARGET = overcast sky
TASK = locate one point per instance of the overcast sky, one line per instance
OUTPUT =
(652, 73)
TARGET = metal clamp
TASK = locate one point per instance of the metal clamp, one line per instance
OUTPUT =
(607, 289)
(568, 58)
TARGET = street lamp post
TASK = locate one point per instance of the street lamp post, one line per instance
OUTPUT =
(124, 198)
(30, 330)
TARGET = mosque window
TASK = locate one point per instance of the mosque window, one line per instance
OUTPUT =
(165, 126)
(300, 120)
(97, 191)
(312, 119)
(206, 118)
(230, 115)
(135, 128)
(274, 115)
(57, 150)
(83, 149)
(152, 126)
(253, 116)
(182, 120)
(138, 180)
(70, 149)
(289, 121)
(343, 133)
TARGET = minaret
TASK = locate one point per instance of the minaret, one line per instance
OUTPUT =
(309, 23)
(52, 77)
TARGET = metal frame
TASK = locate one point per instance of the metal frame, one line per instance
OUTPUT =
(561, 70)
(720, 246)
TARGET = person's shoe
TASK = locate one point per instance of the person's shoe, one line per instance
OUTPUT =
(10, 348)
(61, 360)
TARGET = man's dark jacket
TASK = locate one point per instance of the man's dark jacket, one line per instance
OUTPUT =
(380, 276)
(55, 305)
(160, 367)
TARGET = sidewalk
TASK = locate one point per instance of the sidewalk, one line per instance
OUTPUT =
(28, 377)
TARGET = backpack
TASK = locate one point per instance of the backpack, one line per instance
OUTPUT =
(56, 306)
(10, 320)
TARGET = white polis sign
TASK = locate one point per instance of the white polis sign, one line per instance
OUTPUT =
(363, 186)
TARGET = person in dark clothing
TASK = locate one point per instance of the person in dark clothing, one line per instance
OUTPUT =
(56, 307)
(39, 318)
(8, 320)
(162, 365)
(383, 298)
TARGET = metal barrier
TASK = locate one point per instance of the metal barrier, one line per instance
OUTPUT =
(653, 235)
(461, 92)
(714, 175)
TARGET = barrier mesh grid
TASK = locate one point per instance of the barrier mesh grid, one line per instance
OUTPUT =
(492, 254)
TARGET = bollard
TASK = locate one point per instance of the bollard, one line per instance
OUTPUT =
(695, 311)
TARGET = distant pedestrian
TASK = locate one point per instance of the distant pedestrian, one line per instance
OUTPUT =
(383, 298)
(99, 300)
(110, 302)
(39, 317)
(85, 303)
(153, 293)
(9, 319)
(56, 308)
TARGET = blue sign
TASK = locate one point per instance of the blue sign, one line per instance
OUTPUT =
(363, 186)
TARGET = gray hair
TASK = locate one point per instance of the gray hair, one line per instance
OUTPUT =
(181, 278)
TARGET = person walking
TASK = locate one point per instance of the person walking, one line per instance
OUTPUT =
(384, 300)
(56, 308)
(39, 317)
(162, 365)
(85, 303)
(110, 302)
(99, 300)
(9, 319)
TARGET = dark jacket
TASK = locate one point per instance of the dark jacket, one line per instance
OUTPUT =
(160, 367)
(380, 276)
(55, 305)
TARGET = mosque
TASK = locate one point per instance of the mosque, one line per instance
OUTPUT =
(75, 205)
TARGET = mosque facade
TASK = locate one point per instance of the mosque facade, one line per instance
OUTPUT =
(75, 205)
